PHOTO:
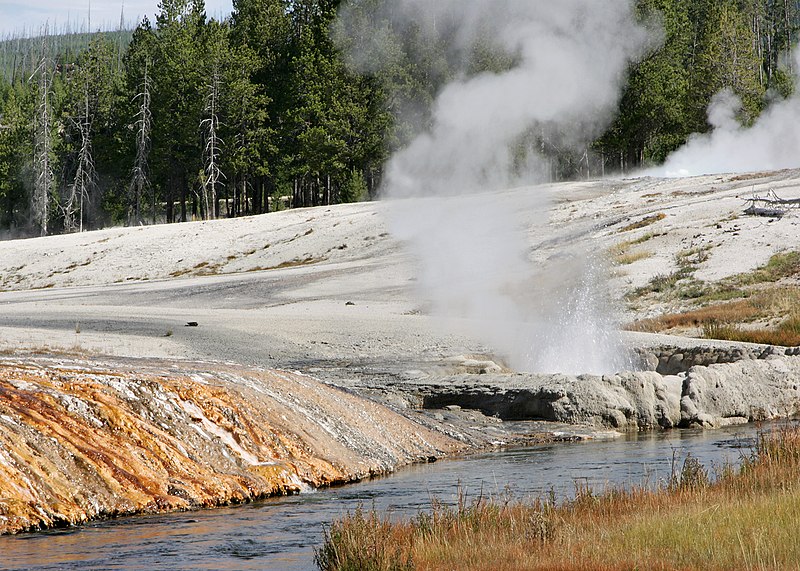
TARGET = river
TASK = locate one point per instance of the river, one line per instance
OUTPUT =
(281, 534)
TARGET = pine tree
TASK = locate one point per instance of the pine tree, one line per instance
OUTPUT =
(16, 151)
(262, 35)
(729, 58)
(177, 104)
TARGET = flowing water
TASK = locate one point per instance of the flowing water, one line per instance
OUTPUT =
(281, 534)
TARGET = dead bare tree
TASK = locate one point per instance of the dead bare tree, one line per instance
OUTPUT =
(42, 165)
(140, 181)
(214, 176)
(85, 174)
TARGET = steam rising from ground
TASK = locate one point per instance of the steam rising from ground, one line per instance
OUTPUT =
(474, 253)
(772, 143)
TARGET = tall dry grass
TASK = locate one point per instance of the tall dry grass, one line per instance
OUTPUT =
(745, 518)
(732, 312)
(787, 334)
(644, 222)
(733, 320)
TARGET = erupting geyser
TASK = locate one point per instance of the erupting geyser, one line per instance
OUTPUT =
(569, 61)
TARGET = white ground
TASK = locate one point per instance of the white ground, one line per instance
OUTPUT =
(331, 286)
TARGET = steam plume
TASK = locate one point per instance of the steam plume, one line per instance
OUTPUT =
(772, 143)
(470, 241)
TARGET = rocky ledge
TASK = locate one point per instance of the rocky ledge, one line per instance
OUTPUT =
(762, 385)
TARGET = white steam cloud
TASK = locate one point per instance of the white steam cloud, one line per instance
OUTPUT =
(771, 143)
(570, 58)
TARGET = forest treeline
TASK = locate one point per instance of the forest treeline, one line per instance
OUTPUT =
(187, 117)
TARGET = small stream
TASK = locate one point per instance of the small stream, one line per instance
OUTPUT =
(281, 534)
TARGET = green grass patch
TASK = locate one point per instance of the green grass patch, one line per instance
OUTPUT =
(680, 282)
(723, 293)
(662, 283)
(779, 266)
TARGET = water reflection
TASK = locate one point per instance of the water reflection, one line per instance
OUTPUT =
(281, 534)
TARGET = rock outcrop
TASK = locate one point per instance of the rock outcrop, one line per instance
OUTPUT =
(709, 396)
(744, 391)
(80, 441)
(671, 360)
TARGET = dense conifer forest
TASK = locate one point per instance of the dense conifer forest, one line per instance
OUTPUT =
(187, 117)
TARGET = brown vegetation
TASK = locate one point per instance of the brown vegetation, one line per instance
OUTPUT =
(745, 519)
(644, 222)
(787, 334)
(758, 306)
(731, 312)
(621, 253)
(627, 258)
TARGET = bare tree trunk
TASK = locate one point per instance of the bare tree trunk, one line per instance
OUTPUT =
(257, 196)
(253, 200)
(213, 174)
(328, 190)
(758, 46)
(140, 182)
(43, 169)
(245, 206)
(788, 35)
(602, 165)
(170, 198)
(184, 196)
(85, 175)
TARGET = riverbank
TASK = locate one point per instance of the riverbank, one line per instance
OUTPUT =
(325, 360)
(742, 518)
(83, 439)
(281, 534)
(87, 439)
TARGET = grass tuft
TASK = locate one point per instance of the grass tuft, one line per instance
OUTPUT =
(787, 333)
(736, 311)
(625, 259)
(621, 254)
(644, 222)
(661, 283)
(728, 309)
(366, 541)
